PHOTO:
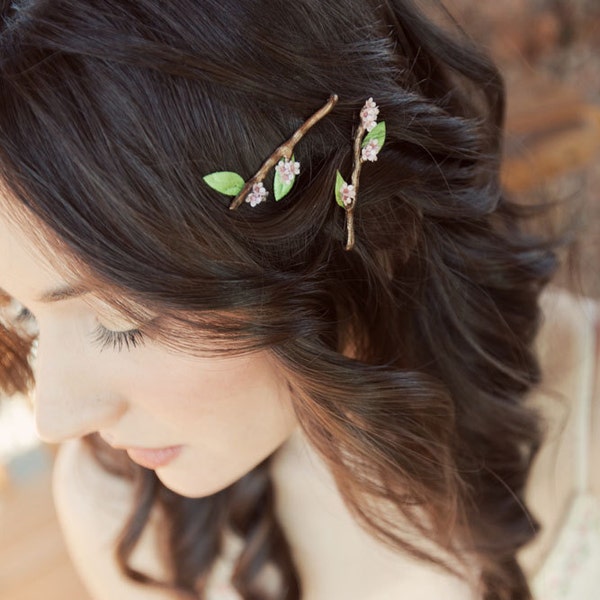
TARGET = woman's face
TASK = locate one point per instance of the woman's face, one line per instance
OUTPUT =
(216, 417)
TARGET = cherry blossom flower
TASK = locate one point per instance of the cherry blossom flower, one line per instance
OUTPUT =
(257, 195)
(287, 170)
(370, 151)
(348, 194)
(368, 114)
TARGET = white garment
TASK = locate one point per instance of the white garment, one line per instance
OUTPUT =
(571, 570)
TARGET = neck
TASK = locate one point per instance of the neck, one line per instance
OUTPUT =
(335, 557)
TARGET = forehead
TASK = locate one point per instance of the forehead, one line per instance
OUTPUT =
(24, 270)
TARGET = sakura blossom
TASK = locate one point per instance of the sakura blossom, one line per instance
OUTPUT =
(348, 194)
(370, 151)
(257, 195)
(368, 114)
(287, 170)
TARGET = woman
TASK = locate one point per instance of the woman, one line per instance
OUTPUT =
(279, 293)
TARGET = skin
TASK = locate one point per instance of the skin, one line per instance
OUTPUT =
(227, 413)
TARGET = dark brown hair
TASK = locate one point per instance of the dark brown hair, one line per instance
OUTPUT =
(111, 111)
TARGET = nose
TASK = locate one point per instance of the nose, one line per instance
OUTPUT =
(71, 399)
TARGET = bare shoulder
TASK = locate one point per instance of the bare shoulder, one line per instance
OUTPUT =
(92, 506)
(84, 490)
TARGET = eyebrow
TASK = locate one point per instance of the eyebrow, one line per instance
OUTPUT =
(65, 292)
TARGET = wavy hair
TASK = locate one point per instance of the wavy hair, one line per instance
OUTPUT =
(408, 358)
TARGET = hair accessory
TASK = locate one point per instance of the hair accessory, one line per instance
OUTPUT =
(368, 141)
(366, 149)
(286, 169)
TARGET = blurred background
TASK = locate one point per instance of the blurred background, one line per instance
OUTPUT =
(549, 52)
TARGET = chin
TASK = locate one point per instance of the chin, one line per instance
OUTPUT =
(193, 487)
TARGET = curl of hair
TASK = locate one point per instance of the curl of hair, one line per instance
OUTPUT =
(408, 358)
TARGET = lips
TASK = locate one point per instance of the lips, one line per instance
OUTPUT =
(153, 458)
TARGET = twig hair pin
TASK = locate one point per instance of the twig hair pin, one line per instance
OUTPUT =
(286, 169)
(366, 149)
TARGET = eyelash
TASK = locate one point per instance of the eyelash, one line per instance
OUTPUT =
(117, 340)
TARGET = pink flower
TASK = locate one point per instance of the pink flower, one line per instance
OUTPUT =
(348, 194)
(370, 151)
(257, 195)
(368, 114)
(287, 170)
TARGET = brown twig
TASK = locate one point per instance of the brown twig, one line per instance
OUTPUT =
(284, 151)
(357, 166)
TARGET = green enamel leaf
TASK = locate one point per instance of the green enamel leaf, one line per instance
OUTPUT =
(225, 182)
(339, 182)
(377, 133)
(280, 188)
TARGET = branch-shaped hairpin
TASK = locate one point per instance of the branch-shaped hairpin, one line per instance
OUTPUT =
(286, 168)
(366, 148)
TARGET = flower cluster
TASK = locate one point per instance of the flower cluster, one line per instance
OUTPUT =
(287, 169)
(348, 194)
(257, 195)
(368, 114)
(370, 150)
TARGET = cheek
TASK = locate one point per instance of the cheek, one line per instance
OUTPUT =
(228, 414)
(222, 403)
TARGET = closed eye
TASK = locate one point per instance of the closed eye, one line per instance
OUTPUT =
(117, 340)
